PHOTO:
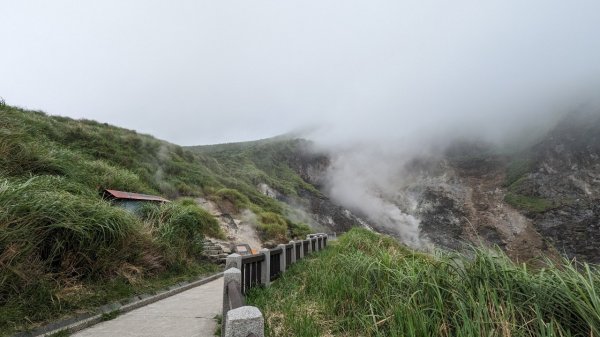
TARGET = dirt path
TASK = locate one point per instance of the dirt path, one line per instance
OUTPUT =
(188, 314)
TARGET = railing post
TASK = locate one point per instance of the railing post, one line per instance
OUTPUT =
(293, 251)
(244, 321)
(325, 240)
(282, 258)
(301, 249)
(233, 261)
(230, 275)
(265, 277)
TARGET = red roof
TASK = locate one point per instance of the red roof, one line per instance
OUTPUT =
(135, 196)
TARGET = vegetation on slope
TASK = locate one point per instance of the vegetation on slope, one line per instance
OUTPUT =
(264, 161)
(368, 285)
(60, 244)
(63, 248)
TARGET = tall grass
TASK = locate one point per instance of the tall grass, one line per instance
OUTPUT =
(182, 225)
(57, 236)
(368, 285)
(42, 216)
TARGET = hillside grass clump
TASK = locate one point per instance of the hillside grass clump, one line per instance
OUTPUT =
(367, 284)
(517, 169)
(299, 230)
(272, 227)
(234, 198)
(518, 195)
(528, 203)
(182, 224)
(58, 237)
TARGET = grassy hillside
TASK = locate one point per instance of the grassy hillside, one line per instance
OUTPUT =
(368, 285)
(264, 161)
(64, 249)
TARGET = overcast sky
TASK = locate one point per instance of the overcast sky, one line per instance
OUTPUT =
(198, 72)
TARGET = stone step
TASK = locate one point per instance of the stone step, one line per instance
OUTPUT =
(217, 256)
(212, 252)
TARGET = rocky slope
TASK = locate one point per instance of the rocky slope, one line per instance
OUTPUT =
(565, 173)
(463, 202)
(542, 200)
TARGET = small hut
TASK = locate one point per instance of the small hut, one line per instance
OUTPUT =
(131, 201)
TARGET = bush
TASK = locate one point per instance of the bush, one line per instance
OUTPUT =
(299, 231)
(272, 227)
(237, 199)
(182, 225)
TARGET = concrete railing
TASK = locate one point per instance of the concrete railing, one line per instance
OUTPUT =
(245, 272)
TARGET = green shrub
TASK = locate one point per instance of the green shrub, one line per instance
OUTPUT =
(299, 231)
(182, 225)
(272, 226)
(236, 198)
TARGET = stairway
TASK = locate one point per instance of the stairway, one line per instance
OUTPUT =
(214, 252)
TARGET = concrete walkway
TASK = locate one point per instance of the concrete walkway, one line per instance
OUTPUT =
(188, 314)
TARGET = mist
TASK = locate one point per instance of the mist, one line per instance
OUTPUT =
(376, 82)
(198, 72)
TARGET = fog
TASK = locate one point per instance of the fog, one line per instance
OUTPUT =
(197, 72)
(375, 80)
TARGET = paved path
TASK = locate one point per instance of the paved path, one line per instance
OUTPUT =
(188, 314)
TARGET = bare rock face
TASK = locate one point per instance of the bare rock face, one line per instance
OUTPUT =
(566, 173)
(461, 202)
(550, 207)
(329, 215)
(311, 165)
